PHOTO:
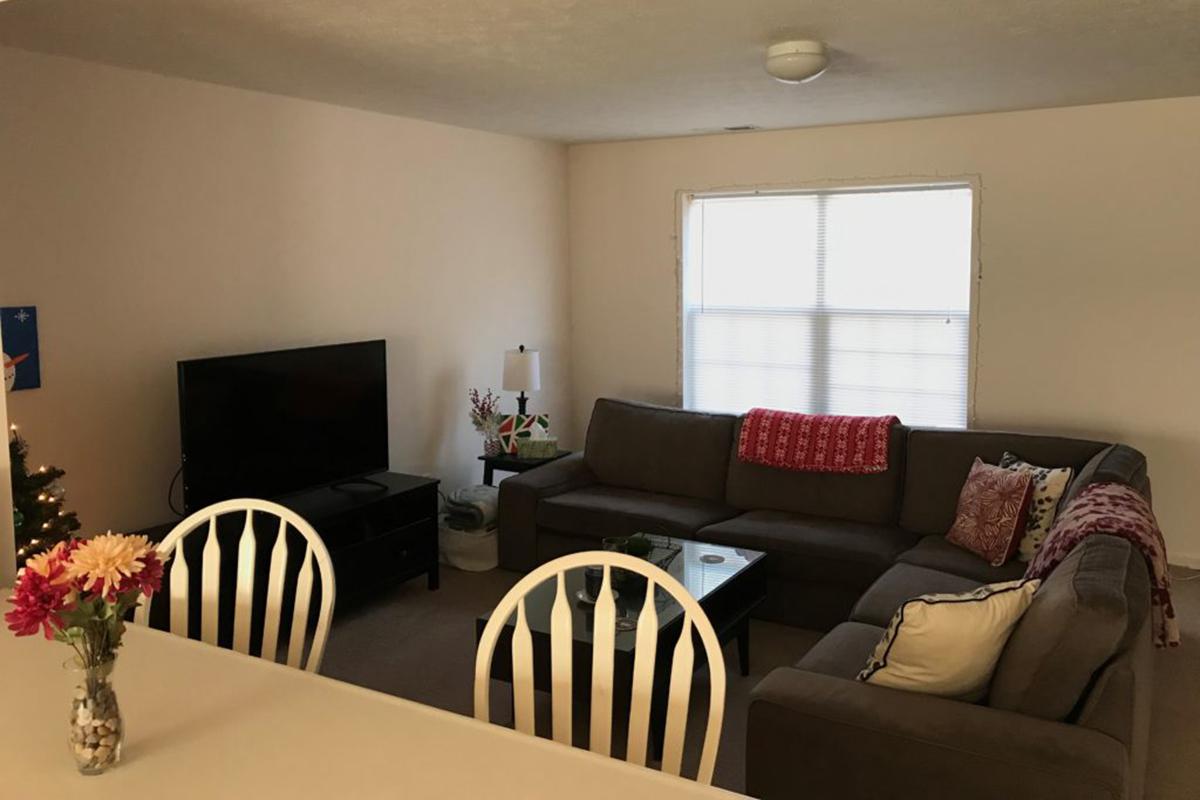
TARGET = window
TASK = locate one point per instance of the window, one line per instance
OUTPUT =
(836, 302)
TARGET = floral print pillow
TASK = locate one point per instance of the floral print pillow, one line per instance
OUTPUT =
(992, 508)
(1049, 485)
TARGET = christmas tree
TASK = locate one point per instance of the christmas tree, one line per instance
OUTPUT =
(38, 515)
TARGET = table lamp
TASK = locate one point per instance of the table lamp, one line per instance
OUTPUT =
(521, 374)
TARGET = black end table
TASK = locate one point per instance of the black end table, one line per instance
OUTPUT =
(507, 462)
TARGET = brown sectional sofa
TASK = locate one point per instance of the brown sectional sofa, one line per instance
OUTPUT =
(844, 551)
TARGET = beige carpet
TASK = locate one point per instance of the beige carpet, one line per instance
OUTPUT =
(420, 645)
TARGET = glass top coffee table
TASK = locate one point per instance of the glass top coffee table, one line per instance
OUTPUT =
(728, 582)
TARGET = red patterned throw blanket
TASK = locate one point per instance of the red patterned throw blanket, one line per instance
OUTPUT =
(1117, 510)
(815, 442)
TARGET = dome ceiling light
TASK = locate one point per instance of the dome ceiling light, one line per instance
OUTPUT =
(796, 61)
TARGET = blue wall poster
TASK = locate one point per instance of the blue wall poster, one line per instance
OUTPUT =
(18, 329)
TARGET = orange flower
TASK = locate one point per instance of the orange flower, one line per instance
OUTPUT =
(99, 565)
(43, 564)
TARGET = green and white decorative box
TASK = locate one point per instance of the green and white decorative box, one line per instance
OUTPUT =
(537, 448)
(518, 427)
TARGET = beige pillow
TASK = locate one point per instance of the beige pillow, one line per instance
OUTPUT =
(948, 644)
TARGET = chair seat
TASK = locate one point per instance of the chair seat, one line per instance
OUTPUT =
(901, 583)
(598, 511)
(818, 548)
(935, 552)
(844, 651)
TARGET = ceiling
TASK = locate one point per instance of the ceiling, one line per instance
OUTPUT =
(577, 70)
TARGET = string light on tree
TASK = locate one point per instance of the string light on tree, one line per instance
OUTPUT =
(38, 516)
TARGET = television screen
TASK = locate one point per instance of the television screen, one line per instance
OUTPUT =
(268, 424)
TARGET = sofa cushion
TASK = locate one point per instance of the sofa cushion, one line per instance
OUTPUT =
(843, 651)
(658, 449)
(937, 553)
(599, 511)
(904, 582)
(1087, 610)
(863, 498)
(814, 548)
(938, 461)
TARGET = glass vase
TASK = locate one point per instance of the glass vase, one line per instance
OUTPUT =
(492, 446)
(96, 727)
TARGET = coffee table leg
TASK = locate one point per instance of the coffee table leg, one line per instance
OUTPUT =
(743, 645)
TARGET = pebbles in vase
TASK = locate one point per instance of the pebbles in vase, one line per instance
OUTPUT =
(95, 729)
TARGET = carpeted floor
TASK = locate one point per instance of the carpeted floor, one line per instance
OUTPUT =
(421, 645)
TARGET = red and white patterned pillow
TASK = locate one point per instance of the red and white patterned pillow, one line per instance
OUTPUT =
(992, 509)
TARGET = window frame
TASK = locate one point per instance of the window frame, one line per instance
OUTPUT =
(683, 244)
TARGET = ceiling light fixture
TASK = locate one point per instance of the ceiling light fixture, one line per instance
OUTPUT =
(796, 61)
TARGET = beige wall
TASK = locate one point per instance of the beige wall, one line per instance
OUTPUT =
(1089, 242)
(152, 219)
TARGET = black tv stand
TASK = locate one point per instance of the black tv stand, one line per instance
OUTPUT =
(377, 537)
(371, 485)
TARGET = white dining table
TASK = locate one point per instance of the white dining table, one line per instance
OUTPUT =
(204, 722)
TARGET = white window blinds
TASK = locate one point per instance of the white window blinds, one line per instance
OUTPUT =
(837, 302)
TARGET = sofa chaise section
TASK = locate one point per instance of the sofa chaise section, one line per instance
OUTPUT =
(1067, 715)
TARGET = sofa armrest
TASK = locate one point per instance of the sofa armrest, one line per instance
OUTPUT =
(813, 735)
(1123, 464)
(519, 498)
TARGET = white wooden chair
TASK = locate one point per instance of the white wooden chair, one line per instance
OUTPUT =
(210, 564)
(603, 637)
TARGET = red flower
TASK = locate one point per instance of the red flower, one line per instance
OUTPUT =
(38, 600)
(149, 580)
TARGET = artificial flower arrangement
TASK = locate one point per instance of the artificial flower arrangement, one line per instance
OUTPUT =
(486, 417)
(79, 593)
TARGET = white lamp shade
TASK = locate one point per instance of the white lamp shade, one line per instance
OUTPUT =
(522, 372)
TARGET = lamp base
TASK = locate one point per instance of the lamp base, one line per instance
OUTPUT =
(521, 401)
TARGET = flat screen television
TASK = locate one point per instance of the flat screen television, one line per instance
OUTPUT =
(270, 424)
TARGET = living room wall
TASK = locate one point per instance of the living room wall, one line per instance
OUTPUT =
(152, 219)
(1088, 242)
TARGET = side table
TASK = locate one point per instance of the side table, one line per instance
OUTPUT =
(508, 462)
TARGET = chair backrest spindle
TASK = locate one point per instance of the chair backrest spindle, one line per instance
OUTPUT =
(561, 678)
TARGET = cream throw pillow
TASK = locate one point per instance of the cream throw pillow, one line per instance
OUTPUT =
(948, 644)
